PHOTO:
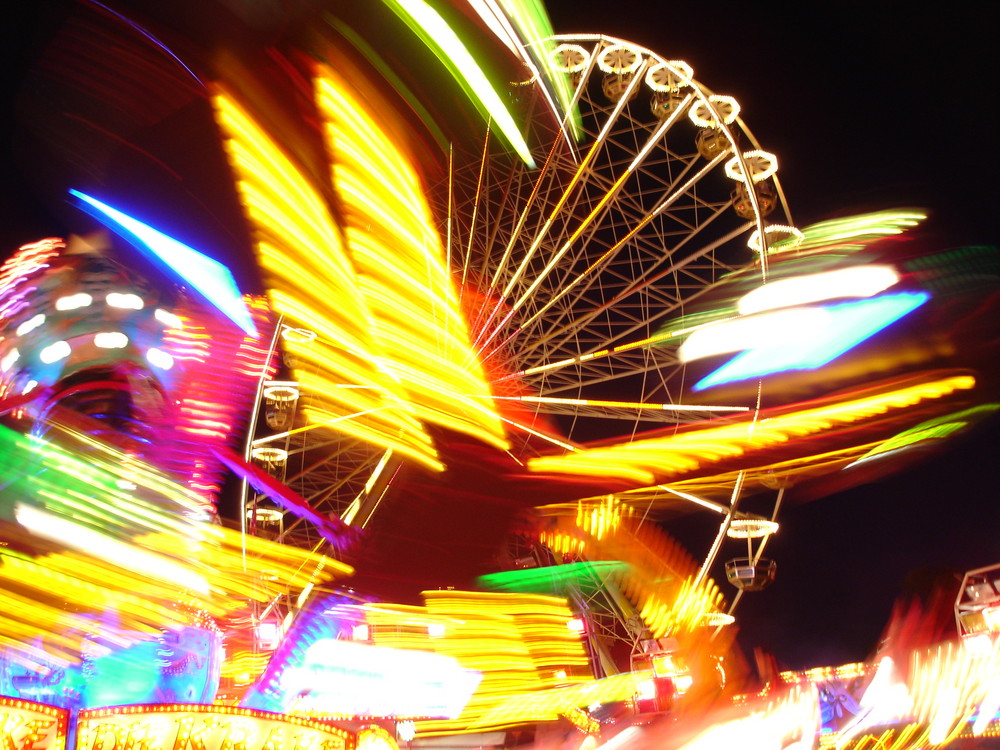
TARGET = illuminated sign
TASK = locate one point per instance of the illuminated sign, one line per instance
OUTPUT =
(356, 679)
(195, 727)
(31, 726)
(317, 671)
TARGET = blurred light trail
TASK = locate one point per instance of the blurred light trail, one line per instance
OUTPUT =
(857, 281)
(789, 326)
(524, 28)
(845, 326)
(655, 574)
(209, 277)
(851, 232)
(345, 678)
(382, 306)
(312, 283)
(53, 528)
(519, 642)
(638, 406)
(385, 70)
(399, 261)
(653, 460)
(442, 40)
(143, 559)
(935, 429)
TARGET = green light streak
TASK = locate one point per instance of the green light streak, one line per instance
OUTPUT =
(852, 232)
(553, 578)
(532, 22)
(383, 69)
(938, 428)
(442, 40)
(85, 488)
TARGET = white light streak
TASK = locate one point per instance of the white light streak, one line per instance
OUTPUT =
(788, 325)
(74, 301)
(857, 281)
(54, 352)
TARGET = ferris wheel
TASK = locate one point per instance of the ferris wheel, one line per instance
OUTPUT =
(645, 196)
(647, 191)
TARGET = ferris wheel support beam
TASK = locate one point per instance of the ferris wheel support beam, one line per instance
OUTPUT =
(522, 218)
(361, 510)
(721, 535)
(699, 501)
(645, 281)
(555, 212)
(475, 207)
(613, 192)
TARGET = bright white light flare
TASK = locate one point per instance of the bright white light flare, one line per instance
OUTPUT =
(857, 281)
(110, 340)
(739, 334)
(102, 546)
(54, 352)
(74, 301)
(30, 325)
(159, 358)
(124, 301)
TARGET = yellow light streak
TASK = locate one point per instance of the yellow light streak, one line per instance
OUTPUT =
(49, 526)
(139, 553)
(519, 642)
(313, 284)
(399, 260)
(659, 576)
(651, 461)
(616, 404)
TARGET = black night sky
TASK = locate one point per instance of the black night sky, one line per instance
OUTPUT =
(867, 106)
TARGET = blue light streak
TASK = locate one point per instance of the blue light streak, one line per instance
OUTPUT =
(849, 324)
(207, 276)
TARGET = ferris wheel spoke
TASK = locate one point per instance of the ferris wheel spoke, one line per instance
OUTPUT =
(619, 331)
(475, 211)
(601, 207)
(580, 286)
(592, 154)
